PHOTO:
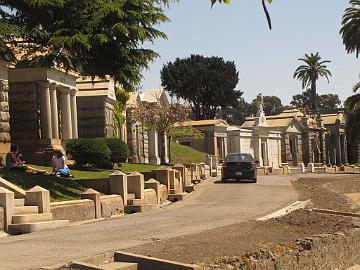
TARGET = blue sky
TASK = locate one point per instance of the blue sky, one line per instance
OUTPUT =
(265, 59)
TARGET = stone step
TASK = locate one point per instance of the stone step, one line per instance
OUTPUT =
(31, 218)
(119, 266)
(136, 202)
(35, 227)
(20, 210)
(131, 196)
(132, 209)
(19, 202)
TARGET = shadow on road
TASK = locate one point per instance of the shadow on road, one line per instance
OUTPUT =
(234, 182)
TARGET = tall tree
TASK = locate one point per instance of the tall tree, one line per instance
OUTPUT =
(328, 103)
(309, 73)
(237, 113)
(207, 83)
(93, 37)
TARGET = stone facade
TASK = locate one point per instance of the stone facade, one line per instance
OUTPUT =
(43, 112)
(95, 107)
(4, 109)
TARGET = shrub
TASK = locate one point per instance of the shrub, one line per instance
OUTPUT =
(89, 152)
(119, 150)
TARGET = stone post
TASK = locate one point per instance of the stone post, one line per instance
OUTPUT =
(178, 177)
(184, 174)
(45, 110)
(65, 108)
(118, 185)
(93, 195)
(163, 176)
(74, 117)
(39, 197)
(7, 201)
(343, 149)
(155, 185)
(311, 167)
(54, 111)
(154, 148)
(166, 149)
(136, 185)
(202, 170)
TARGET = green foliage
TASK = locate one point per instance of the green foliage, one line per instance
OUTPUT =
(119, 108)
(89, 152)
(272, 106)
(119, 150)
(207, 83)
(352, 109)
(236, 114)
(350, 29)
(327, 103)
(185, 132)
(93, 37)
(309, 73)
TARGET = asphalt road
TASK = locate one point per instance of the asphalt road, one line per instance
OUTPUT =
(211, 206)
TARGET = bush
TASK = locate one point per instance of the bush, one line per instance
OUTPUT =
(119, 150)
(89, 152)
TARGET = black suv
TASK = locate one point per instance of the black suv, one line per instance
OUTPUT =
(239, 166)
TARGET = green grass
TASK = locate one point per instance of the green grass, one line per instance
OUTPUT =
(184, 154)
(127, 167)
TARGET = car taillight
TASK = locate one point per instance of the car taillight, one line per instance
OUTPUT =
(253, 165)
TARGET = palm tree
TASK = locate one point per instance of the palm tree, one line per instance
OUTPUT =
(352, 109)
(350, 29)
(310, 72)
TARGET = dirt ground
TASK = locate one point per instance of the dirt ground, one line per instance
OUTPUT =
(208, 248)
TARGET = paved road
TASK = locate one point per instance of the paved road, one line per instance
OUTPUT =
(211, 206)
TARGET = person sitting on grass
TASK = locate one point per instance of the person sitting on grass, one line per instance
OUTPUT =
(59, 166)
(14, 162)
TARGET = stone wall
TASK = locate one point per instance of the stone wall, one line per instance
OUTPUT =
(77, 210)
(321, 252)
(111, 205)
(163, 194)
(150, 196)
(2, 219)
(95, 118)
(101, 185)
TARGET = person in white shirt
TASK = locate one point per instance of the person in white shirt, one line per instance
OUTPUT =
(59, 165)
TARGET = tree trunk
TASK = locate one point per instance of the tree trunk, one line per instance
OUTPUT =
(162, 146)
(313, 97)
(169, 148)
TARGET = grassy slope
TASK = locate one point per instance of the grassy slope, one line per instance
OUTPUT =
(185, 154)
(66, 189)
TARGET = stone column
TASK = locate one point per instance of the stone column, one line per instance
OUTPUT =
(343, 148)
(257, 150)
(65, 107)
(166, 149)
(74, 117)
(45, 110)
(338, 149)
(153, 148)
(225, 147)
(54, 111)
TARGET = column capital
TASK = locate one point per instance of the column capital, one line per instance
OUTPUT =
(43, 84)
(73, 91)
(53, 86)
(63, 89)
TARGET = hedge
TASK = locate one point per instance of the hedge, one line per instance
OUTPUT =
(119, 150)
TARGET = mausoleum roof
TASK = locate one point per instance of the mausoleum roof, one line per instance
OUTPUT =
(213, 122)
(332, 119)
(154, 96)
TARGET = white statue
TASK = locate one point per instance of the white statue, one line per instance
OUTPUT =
(260, 105)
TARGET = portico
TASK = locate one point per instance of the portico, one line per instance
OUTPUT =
(44, 112)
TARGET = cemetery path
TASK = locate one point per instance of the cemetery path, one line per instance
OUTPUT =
(213, 205)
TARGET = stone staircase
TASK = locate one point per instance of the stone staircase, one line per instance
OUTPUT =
(27, 211)
(27, 219)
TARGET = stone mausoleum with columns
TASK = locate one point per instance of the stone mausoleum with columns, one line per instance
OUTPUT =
(43, 111)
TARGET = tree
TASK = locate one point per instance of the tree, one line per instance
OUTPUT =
(327, 102)
(350, 29)
(207, 83)
(309, 73)
(272, 105)
(119, 107)
(162, 119)
(236, 114)
(93, 37)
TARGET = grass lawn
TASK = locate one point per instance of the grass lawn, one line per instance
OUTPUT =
(184, 154)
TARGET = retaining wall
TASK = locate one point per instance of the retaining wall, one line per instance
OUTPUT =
(111, 205)
(77, 210)
(150, 196)
(101, 185)
(324, 251)
(163, 194)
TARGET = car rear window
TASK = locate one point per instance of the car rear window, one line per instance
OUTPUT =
(239, 158)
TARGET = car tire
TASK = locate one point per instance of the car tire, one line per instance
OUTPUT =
(254, 180)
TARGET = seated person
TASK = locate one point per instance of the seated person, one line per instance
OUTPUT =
(14, 162)
(2, 165)
(59, 166)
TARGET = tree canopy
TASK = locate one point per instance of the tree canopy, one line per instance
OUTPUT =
(207, 83)
(93, 37)
(350, 29)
